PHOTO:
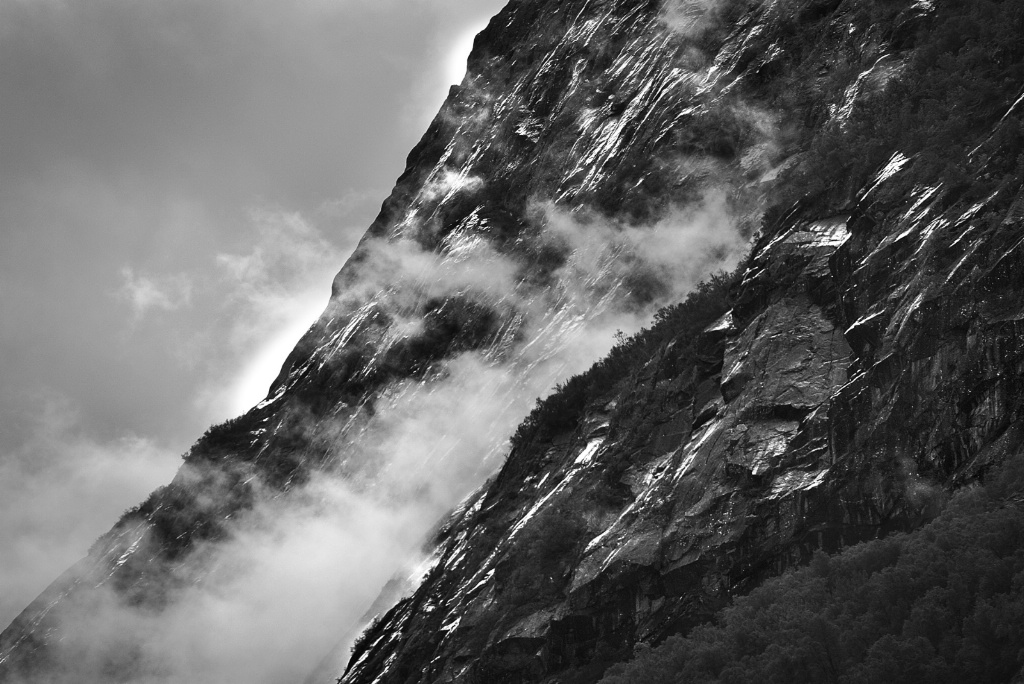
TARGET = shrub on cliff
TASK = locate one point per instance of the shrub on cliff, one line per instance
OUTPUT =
(535, 569)
(967, 58)
(681, 323)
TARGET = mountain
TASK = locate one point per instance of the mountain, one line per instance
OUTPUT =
(836, 384)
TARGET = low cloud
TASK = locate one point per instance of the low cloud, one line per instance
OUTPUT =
(288, 253)
(690, 18)
(62, 488)
(146, 293)
(258, 303)
(448, 184)
(298, 572)
(671, 256)
(274, 292)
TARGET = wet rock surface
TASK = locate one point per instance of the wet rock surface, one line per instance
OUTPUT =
(871, 362)
(811, 443)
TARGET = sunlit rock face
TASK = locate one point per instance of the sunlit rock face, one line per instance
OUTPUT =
(602, 157)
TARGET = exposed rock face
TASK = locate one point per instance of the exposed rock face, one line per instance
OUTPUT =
(871, 361)
(813, 440)
(869, 358)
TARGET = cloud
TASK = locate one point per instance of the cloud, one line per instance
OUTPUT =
(448, 184)
(60, 490)
(272, 294)
(257, 304)
(147, 293)
(288, 257)
(297, 573)
(673, 254)
(690, 18)
(291, 579)
(118, 115)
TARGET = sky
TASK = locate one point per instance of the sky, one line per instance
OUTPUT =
(179, 182)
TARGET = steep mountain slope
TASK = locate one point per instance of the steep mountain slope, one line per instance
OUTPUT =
(601, 157)
(867, 360)
(556, 196)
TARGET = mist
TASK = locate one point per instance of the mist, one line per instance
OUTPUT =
(56, 463)
(178, 186)
(299, 571)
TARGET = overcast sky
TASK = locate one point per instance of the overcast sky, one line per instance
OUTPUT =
(179, 182)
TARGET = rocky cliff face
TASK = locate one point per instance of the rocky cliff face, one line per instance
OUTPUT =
(600, 158)
(869, 362)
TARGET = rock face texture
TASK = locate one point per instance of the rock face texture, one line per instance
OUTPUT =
(870, 361)
(601, 157)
